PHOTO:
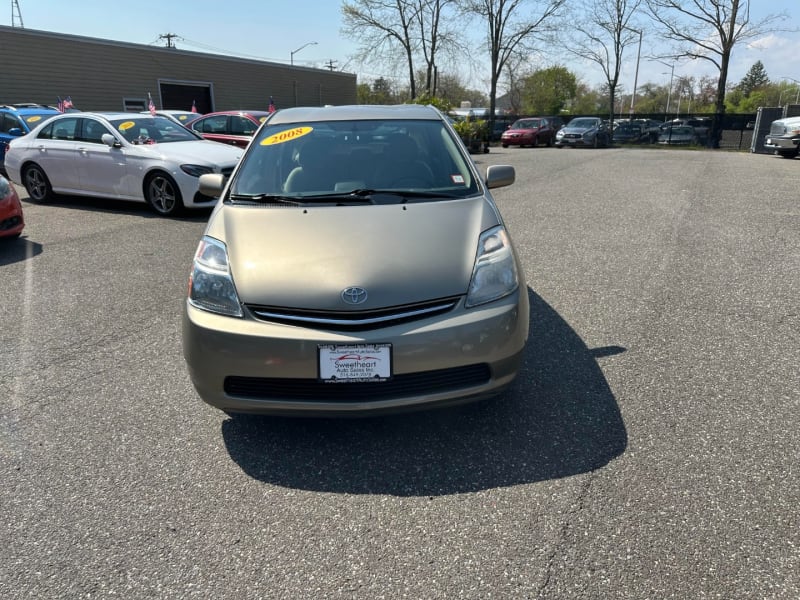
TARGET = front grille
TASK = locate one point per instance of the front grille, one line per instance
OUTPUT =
(400, 386)
(573, 136)
(10, 223)
(354, 320)
(777, 129)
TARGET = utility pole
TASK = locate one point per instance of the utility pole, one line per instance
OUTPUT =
(168, 37)
(16, 14)
(331, 65)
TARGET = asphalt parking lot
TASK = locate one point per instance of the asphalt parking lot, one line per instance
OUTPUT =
(649, 449)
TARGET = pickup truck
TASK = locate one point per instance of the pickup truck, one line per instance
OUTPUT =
(784, 137)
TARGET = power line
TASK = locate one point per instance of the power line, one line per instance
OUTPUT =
(169, 37)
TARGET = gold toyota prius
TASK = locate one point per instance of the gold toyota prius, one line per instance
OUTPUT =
(355, 264)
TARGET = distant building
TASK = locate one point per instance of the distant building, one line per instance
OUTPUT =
(109, 75)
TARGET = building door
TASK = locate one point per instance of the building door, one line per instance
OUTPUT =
(181, 96)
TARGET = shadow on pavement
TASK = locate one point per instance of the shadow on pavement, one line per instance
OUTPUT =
(558, 419)
(18, 249)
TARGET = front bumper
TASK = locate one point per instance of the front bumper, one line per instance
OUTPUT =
(773, 142)
(251, 366)
(565, 141)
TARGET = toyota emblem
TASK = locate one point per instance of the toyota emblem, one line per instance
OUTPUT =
(354, 295)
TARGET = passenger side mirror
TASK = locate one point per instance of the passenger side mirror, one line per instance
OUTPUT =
(499, 176)
(110, 141)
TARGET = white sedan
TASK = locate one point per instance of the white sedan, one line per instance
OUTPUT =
(125, 156)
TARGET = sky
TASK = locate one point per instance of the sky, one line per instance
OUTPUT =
(311, 29)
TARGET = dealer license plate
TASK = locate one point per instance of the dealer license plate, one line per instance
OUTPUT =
(347, 363)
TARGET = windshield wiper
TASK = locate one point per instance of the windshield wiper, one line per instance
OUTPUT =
(375, 196)
(266, 199)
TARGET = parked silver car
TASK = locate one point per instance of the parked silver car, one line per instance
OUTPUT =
(355, 264)
(589, 132)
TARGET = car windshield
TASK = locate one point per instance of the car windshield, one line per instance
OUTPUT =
(526, 124)
(583, 123)
(327, 161)
(152, 130)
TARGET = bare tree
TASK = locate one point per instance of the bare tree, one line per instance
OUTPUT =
(384, 26)
(605, 29)
(510, 31)
(414, 29)
(436, 33)
(709, 30)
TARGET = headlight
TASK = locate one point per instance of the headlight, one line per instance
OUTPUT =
(196, 170)
(559, 134)
(495, 272)
(210, 284)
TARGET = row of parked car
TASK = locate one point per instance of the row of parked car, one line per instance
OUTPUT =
(596, 132)
(154, 157)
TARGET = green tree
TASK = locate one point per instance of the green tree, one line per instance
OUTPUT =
(756, 78)
(547, 91)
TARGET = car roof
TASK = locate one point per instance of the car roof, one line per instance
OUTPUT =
(257, 113)
(112, 115)
(356, 113)
(29, 109)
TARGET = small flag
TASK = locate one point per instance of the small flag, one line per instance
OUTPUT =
(150, 106)
(194, 107)
(271, 107)
(60, 104)
(68, 103)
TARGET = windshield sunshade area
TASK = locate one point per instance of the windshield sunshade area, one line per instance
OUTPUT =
(333, 158)
(152, 130)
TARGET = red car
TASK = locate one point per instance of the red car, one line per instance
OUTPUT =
(529, 132)
(234, 127)
(11, 221)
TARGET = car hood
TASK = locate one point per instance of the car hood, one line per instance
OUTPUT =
(522, 131)
(305, 257)
(569, 129)
(192, 152)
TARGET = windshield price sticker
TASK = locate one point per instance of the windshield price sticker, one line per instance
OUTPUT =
(286, 136)
(355, 363)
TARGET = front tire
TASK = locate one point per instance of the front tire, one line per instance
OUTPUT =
(788, 153)
(37, 184)
(163, 194)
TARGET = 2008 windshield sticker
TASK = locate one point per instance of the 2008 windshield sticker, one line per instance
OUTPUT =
(286, 136)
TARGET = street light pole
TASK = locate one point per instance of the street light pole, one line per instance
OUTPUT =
(669, 92)
(291, 56)
(636, 76)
